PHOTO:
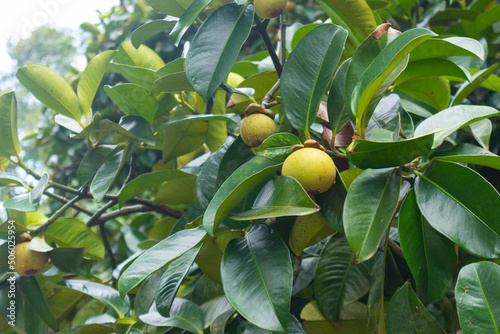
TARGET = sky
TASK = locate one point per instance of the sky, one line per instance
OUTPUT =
(19, 18)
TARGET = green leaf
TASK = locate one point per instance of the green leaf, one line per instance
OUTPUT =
(356, 15)
(382, 72)
(277, 147)
(407, 314)
(484, 20)
(180, 139)
(90, 80)
(451, 46)
(281, 197)
(339, 281)
(91, 162)
(187, 19)
(471, 221)
(211, 56)
(133, 100)
(338, 114)
(34, 296)
(257, 278)
(237, 186)
(171, 7)
(432, 67)
(237, 154)
(72, 233)
(8, 125)
(481, 131)
(212, 309)
(478, 298)
(139, 128)
(369, 207)
(67, 259)
(141, 57)
(468, 87)
(141, 76)
(376, 302)
(432, 90)
(150, 29)
(469, 154)
(430, 256)
(147, 181)
(332, 202)
(372, 154)
(184, 314)
(452, 119)
(173, 82)
(51, 89)
(158, 256)
(28, 202)
(233, 118)
(261, 83)
(103, 293)
(107, 174)
(217, 130)
(171, 280)
(179, 193)
(305, 78)
(8, 179)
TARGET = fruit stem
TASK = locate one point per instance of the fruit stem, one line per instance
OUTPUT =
(283, 38)
(269, 45)
(270, 94)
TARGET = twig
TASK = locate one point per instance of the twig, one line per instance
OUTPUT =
(103, 231)
(57, 214)
(269, 45)
(121, 212)
(269, 96)
(65, 200)
(95, 217)
(283, 38)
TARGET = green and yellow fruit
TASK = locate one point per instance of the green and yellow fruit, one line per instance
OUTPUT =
(313, 168)
(29, 262)
(269, 8)
(255, 128)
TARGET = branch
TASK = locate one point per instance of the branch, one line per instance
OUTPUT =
(283, 38)
(96, 216)
(269, 45)
(65, 200)
(269, 96)
(57, 214)
(102, 229)
(121, 212)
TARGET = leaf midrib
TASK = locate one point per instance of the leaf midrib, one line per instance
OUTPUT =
(486, 300)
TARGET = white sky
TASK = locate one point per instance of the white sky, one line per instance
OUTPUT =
(19, 18)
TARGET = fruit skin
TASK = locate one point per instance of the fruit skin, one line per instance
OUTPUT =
(29, 262)
(256, 128)
(313, 168)
(269, 8)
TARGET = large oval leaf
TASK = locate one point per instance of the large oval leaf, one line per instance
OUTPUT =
(34, 295)
(469, 154)
(308, 71)
(339, 280)
(406, 314)
(369, 206)
(283, 196)
(235, 188)
(133, 100)
(277, 147)
(469, 221)
(430, 256)
(478, 298)
(452, 119)
(338, 114)
(184, 314)
(372, 154)
(216, 46)
(451, 46)
(8, 125)
(257, 278)
(157, 256)
(171, 7)
(150, 29)
(187, 19)
(51, 89)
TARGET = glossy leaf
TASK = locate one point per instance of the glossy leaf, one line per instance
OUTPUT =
(467, 88)
(383, 71)
(139, 128)
(171, 280)
(478, 299)
(34, 296)
(372, 154)
(469, 221)
(173, 82)
(8, 179)
(233, 118)
(104, 293)
(187, 19)
(147, 181)
(91, 162)
(90, 80)
(332, 202)
(481, 131)
(260, 82)
(133, 100)
(67, 259)
(150, 29)
(369, 207)
(451, 46)
(308, 230)
(246, 178)
(430, 256)
(261, 264)
(141, 76)
(8, 125)
(180, 139)
(171, 7)
(432, 67)
(51, 89)
(339, 281)
(407, 314)
(305, 78)
(28, 202)
(376, 301)
(184, 314)
(72, 233)
(432, 90)
(469, 154)
(277, 147)
(453, 119)
(106, 175)
(211, 56)
(338, 114)
(283, 196)
(157, 256)
(141, 57)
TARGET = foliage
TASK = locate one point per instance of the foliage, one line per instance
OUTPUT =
(157, 217)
